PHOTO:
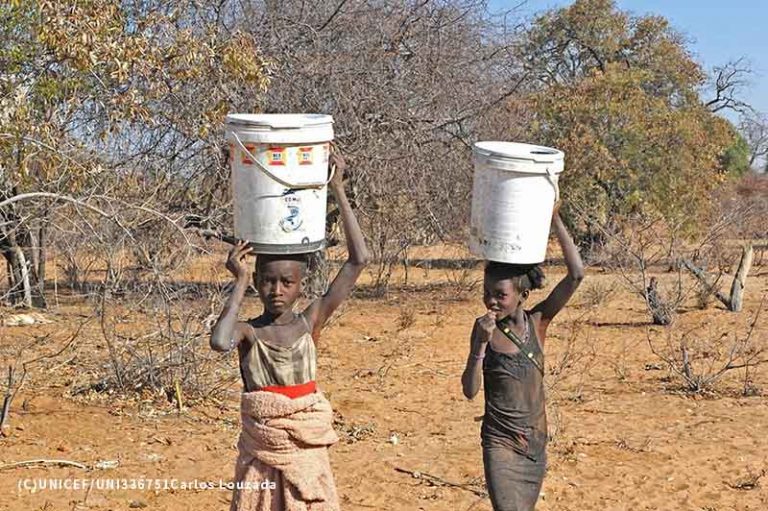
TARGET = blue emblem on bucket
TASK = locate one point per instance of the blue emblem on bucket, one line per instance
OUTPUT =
(293, 221)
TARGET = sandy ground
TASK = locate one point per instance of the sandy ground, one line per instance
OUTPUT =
(625, 436)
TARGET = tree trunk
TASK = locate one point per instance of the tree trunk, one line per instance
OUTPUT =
(23, 268)
(9, 271)
(42, 239)
(5, 412)
(11, 230)
(20, 292)
(33, 251)
(737, 289)
(660, 311)
(702, 277)
(26, 280)
(37, 239)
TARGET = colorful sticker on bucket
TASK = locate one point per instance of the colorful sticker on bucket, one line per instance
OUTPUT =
(276, 156)
(245, 159)
(305, 155)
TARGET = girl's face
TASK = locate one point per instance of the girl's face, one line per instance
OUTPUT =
(501, 295)
(279, 285)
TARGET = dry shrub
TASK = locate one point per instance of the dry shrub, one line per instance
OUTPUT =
(568, 372)
(699, 359)
(156, 328)
(462, 284)
(597, 292)
(705, 293)
(406, 318)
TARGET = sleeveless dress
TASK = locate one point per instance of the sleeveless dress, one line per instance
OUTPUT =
(283, 442)
(289, 370)
(514, 430)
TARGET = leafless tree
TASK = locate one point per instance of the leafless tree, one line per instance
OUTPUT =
(410, 86)
(728, 82)
(754, 128)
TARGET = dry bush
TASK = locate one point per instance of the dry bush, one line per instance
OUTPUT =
(568, 372)
(22, 364)
(723, 255)
(410, 86)
(620, 361)
(699, 359)
(704, 294)
(645, 245)
(597, 292)
(158, 345)
(154, 325)
(642, 247)
(462, 283)
(316, 279)
(406, 318)
(576, 358)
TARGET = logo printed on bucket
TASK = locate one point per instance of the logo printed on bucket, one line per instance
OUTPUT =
(251, 149)
(305, 155)
(293, 220)
(276, 156)
(290, 197)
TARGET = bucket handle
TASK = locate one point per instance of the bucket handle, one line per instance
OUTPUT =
(277, 179)
(552, 177)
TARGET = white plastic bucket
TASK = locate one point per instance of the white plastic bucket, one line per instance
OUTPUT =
(513, 195)
(279, 165)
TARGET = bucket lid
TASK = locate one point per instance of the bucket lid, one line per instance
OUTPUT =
(516, 151)
(280, 121)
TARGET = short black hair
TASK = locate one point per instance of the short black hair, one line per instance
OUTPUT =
(524, 276)
(262, 259)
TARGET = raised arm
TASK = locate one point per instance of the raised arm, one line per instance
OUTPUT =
(478, 342)
(568, 285)
(321, 310)
(226, 334)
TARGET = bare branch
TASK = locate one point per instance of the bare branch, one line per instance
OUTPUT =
(729, 81)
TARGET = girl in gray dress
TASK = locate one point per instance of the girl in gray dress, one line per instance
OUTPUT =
(507, 352)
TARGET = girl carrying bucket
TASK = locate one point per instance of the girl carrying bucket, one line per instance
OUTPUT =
(283, 462)
(506, 350)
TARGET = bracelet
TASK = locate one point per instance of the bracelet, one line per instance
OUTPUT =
(479, 357)
(231, 344)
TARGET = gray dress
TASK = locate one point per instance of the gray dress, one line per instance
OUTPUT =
(514, 431)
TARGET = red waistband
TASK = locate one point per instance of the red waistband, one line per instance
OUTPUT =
(293, 391)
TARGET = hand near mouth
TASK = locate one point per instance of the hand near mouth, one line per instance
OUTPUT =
(486, 325)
